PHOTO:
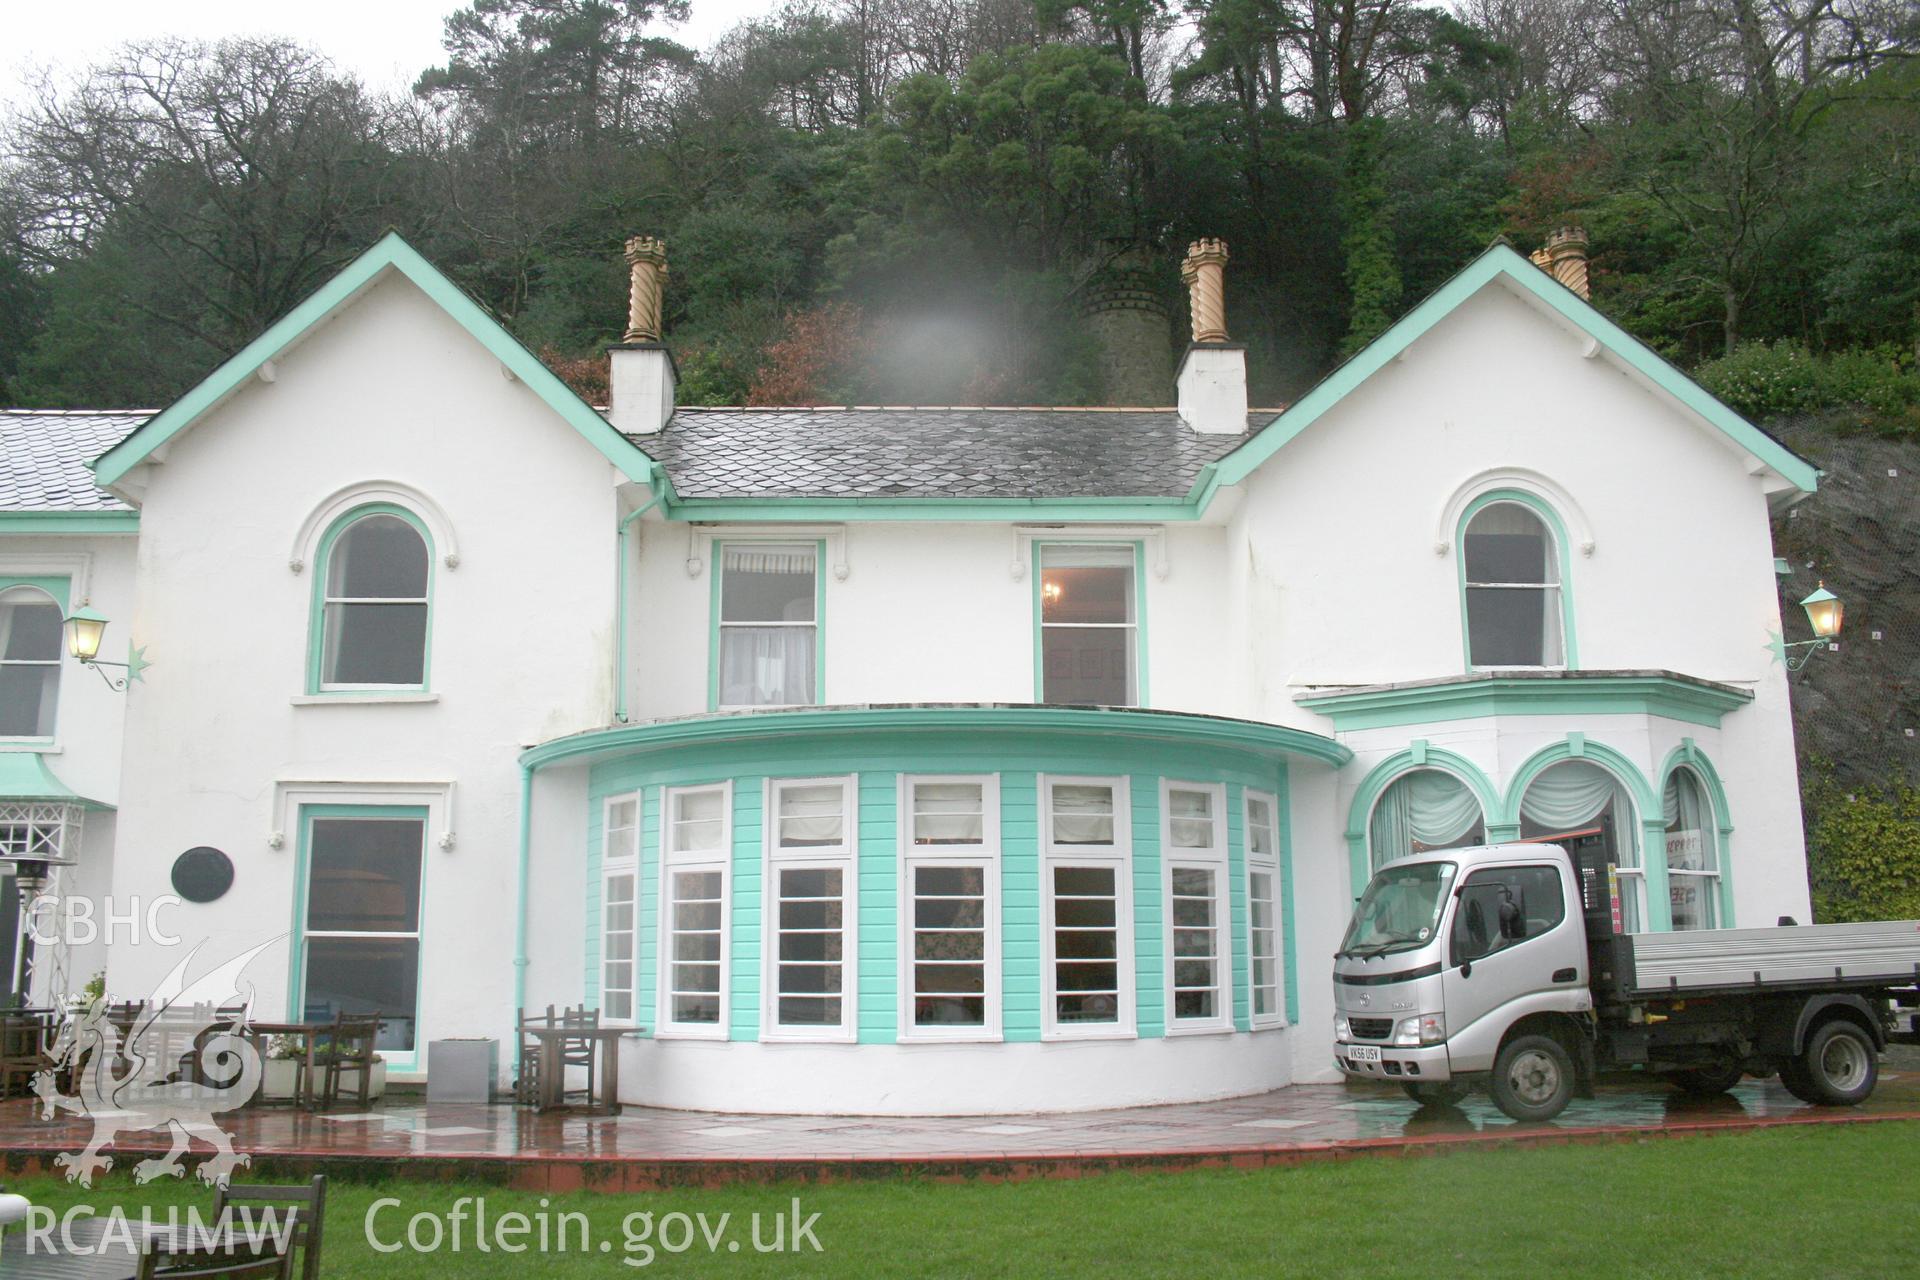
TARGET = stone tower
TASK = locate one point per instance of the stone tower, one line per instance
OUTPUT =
(1123, 306)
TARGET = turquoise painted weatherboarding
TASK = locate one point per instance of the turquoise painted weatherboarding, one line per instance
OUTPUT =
(1020, 909)
(877, 883)
(749, 797)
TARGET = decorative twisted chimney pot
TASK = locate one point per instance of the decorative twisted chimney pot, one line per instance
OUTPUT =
(1203, 274)
(648, 257)
(1567, 251)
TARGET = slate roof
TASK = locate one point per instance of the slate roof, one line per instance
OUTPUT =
(936, 453)
(44, 455)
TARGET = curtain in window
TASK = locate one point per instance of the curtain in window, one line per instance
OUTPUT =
(1190, 819)
(948, 813)
(1432, 808)
(812, 815)
(1573, 794)
(766, 666)
(798, 561)
(697, 821)
(1082, 815)
(1685, 808)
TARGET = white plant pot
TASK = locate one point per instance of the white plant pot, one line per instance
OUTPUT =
(279, 1074)
(277, 1078)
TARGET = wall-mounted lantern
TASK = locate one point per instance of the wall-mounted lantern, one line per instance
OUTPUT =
(85, 630)
(1825, 612)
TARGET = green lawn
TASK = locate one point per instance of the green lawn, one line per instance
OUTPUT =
(1793, 1202)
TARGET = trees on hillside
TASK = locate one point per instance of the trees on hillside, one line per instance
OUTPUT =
(181, 196)
(1746, 167)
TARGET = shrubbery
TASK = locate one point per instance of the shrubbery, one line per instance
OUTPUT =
(1863, 849)
(1761, 380)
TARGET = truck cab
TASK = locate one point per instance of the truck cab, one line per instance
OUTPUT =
(1446, 952)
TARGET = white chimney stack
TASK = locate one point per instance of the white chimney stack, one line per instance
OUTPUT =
(640, 374)
(1212, 382)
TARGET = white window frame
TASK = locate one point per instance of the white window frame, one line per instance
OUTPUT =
(1135, 664)
(335, 534)
(1212, 859)
(397, 1061)
(1709, 881)
(986, 856)
(611, 866)
(720, 624)
(1118, 856)
(720, 860)
(57, 662)
(842, 857)
(1267, 865)
(1554, 593)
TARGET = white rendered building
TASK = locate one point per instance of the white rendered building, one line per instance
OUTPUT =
(872, 759)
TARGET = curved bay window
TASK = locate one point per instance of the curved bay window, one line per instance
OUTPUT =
(29, 662)
(1693, 853)
(376, 572)
(1422, 810)
(1513, 589)
(1577, 801)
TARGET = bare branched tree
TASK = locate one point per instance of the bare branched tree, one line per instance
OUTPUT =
(236, 175)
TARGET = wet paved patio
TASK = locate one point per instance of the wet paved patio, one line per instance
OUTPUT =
(644, 1148)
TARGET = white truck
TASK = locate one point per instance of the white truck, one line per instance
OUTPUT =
(1507, 965)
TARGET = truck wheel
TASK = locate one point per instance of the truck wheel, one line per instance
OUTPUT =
(1706, 1082)
(1443, 1094)
(1532, 1078)
(1793, 1078)
(1839, 1065)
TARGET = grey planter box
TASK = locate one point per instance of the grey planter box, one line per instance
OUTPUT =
(462, 1070)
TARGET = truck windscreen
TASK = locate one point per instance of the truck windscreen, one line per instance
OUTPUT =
(1400, 909)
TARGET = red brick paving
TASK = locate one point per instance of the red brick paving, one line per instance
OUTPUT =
(645, 1149)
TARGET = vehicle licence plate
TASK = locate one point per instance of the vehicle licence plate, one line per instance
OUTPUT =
(1363, 1053)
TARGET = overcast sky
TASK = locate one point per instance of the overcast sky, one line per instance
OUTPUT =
(386, 42)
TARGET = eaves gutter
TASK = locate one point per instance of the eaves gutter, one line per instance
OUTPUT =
(72, 523)
(1038, 510)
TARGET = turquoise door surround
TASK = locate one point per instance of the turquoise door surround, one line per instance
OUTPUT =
(297, 950)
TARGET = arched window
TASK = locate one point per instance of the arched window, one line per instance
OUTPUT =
(1577, 801)
(1693, 851)
(29, 662)
(1511, 567)
(1422, 810)
(376, 572)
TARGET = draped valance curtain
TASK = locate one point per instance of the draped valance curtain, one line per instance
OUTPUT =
(1428, 808)
(1573, 794)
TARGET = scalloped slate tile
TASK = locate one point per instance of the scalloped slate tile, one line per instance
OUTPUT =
(935, 453)
(44, 456)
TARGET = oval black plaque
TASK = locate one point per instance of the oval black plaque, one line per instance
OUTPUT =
(202, 874)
